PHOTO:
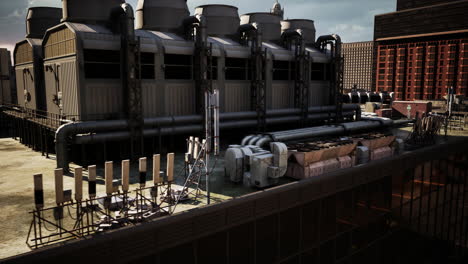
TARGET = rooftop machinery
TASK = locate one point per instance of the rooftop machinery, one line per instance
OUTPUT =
(28, 58)
(110, 82)
(6, 80)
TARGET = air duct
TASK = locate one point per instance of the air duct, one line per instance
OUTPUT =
(221, 20)
(39, 19)
(307, 28)
(268, 23)
(161, 15)
(89, 11)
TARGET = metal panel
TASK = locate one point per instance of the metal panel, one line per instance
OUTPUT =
(237, 96)
(69, 88)
(153, 98)
(179, 98)
(26, 88)
(282, 95)
(60, 43)
(103, 99)
(23, 53)
(50, 90)
(319, 93)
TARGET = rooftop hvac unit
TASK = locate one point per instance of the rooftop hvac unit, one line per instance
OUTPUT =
(89, 11)
(306, 26)
(255, 166)
(161, 15)
(39, 19)
(221, 20)
(270, 24)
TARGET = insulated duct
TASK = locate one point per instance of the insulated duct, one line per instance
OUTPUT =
(118, 129)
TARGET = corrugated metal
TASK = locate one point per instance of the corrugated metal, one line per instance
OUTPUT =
(23, 53)
(103, 99)
(25, 81)
(19, 86)
(60, 43)
(319, 93)
(51, 90)
(282, 95)
(237, 97)
(179, 98)
(68, 86)
(153, 98)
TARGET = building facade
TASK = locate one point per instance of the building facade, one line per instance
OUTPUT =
(422, 49)
(6, 93)
(358, 65)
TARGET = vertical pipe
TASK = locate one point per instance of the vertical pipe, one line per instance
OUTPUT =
(92, 181)
(125, 176)
(216, 123)
(79, 184)
(156, 169)
(109, 171)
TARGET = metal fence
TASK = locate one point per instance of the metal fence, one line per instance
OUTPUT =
(407, 209)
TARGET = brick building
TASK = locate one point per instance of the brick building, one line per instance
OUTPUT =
(358, 65)
(422, 49)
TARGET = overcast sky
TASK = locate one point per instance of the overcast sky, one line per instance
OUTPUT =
(352, 19)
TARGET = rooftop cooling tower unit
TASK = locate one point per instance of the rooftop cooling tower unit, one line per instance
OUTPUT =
(39, 19)
(269, 24)
(221, 20)
(88, 11)
(306, 26)
(161, 15)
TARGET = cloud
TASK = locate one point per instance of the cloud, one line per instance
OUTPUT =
(353, 20)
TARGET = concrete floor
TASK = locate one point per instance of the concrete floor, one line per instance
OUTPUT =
(18, 164)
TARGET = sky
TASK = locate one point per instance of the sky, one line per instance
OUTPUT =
(353, 20)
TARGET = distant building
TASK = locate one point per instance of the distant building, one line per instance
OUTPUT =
(422, 49)
(6, 93)
(277, 9)
(358, 65)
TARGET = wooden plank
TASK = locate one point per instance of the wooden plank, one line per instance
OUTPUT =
(157, 169)
(59, 186)
(170, 167)
(109, 175)
(126, 175)
(79, 184)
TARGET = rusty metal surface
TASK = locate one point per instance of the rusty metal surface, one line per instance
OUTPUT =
(362, 215)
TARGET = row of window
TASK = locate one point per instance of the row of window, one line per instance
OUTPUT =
(104, 64)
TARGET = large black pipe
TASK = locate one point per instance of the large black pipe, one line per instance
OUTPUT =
(117, 129)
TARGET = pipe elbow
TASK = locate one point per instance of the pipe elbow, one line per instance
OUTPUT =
(128, 10)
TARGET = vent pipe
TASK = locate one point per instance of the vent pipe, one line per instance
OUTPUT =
(307, 27)
(221, 20)
(161, 15)
(268, 23)
(89, 11)
(39, 19)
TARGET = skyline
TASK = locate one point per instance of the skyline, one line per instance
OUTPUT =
(353, 21)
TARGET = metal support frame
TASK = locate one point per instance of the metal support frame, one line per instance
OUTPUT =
(301, 83)
(258, 86)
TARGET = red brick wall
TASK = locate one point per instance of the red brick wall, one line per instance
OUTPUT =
(422, 70)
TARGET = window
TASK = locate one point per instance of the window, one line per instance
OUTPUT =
(237, 69)
(177, 67)
(102, 64)
(281, 71)
(317, 72)
(147, 66)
